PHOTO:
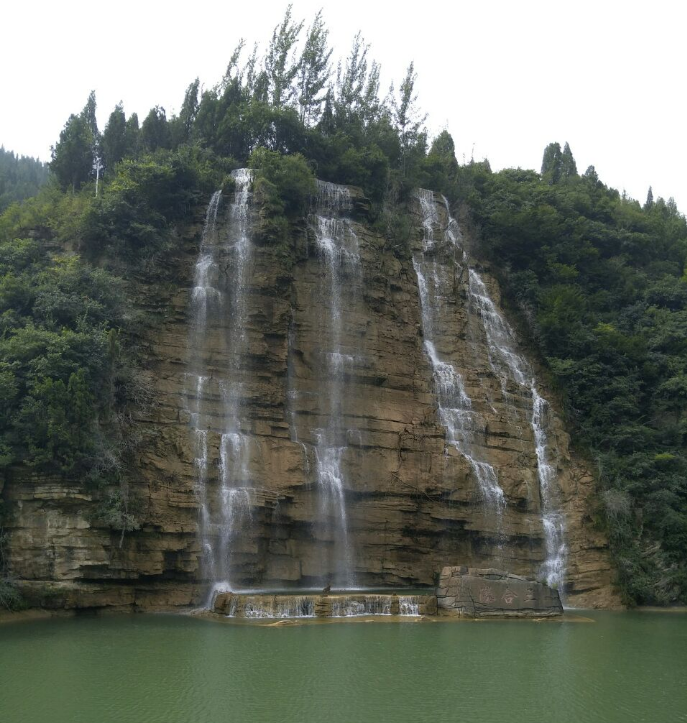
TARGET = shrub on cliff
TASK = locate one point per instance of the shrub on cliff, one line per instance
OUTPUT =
(134, 213)
(286, 182)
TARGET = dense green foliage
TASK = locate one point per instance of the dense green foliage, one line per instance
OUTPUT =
(141, 201)
(69, 375)
(57, 347)
(598, 281)
(20, 177)
(601, 282)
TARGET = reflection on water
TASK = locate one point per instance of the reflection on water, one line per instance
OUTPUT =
(627, 667)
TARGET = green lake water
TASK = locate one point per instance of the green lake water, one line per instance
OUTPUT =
(625, 667)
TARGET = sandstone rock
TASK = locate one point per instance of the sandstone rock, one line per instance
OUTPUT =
(481, 593)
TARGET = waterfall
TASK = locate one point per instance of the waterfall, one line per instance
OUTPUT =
(509, 366)
(334, 292)
(456, 413)
(337, 245)
(216, 386)
(553, 520)
(361, 605)
(408, 605)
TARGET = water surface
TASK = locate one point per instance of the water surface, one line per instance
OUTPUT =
(625, 667)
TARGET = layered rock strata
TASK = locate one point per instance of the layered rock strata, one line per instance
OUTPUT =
(483, 593)
(413, 504)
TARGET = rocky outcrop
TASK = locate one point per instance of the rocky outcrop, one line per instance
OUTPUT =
(483, 593)
(413, 505)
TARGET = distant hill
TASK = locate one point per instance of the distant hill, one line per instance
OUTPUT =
(20, 177)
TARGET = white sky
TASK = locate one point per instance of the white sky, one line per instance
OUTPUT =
(505, 77)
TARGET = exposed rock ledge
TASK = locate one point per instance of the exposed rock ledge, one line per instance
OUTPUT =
(479, 593)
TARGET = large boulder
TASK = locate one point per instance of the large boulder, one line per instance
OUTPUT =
(478, 593)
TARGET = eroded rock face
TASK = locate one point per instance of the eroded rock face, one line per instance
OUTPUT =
(413, 505)
(481, 593)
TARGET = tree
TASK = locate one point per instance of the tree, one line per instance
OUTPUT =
(132, 136)
(405, 114)
(568, 165)
(113, 144)
(551, 163)
(281, 67)
(188, 113)
(155, 130)
(77, 153)
(441, 164)
(649, 199)
(20, 177)
(72, 156)
(250, 72)
(232, 73)
(370, 103)
(88, 114)
(350, 80)
(313, 71)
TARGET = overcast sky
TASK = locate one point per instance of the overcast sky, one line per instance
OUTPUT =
(504, 77)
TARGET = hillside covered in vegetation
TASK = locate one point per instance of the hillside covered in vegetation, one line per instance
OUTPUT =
(20, 177)
(595, 280)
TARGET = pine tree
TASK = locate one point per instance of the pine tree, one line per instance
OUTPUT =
(351, 79)
(72, 155)
(405, 113)
(155, 130)
(313, 71)
(568, 165)
(649, 199)
(113, 144)
(183, 124)
(551, 163)
(132, 136)
(371, 106)
(250, 71)
(88, 114)
(281, 67)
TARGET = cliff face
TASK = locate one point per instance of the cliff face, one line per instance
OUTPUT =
(412, 503)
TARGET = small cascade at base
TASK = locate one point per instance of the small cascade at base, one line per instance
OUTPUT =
(353, 605)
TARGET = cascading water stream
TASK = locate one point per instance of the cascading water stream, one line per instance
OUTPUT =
(553, 520)
(509, 366)
(337, 246)
(456, 412)
(217, 344)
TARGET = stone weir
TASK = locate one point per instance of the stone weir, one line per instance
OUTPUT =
(462, 592)
(344, 605)
(374, 446)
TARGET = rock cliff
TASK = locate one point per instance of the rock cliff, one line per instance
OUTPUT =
(412, 501)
